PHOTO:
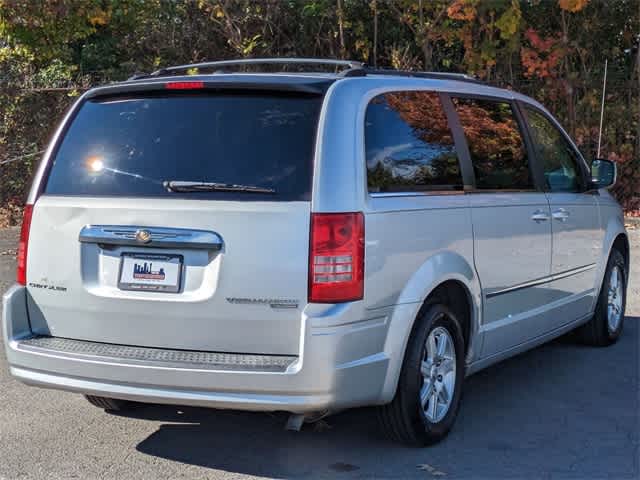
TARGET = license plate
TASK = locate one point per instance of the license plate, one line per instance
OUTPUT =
(156, 273)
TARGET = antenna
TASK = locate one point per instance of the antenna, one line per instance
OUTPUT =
(604, 88)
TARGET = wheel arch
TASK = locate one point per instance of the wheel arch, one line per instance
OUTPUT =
(446, 277)
(457, 297)
(621, 243)
(615, 237)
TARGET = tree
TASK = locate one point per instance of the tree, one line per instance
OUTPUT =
(553, 50)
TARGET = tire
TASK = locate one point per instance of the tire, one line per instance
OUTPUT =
(109, 404)
(603, 329)
(405, 419)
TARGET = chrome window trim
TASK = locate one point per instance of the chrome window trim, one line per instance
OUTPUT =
(505, 190)
(425, 193)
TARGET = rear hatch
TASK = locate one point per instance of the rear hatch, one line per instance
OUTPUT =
(177, 219)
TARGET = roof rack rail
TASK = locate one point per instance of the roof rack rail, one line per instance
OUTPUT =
(347, 64)
(460, 77)
(351, 68)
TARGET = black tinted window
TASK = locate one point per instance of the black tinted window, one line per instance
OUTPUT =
(129, 146)
(559, 159)
(496, 147)
(409, 146)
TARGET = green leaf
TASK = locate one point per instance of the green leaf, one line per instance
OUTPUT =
(509, 21)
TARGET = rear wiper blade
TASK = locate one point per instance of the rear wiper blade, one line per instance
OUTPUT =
(185, 186)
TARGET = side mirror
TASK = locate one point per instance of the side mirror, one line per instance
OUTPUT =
(603, 173)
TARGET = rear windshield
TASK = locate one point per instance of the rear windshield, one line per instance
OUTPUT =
(133, 146)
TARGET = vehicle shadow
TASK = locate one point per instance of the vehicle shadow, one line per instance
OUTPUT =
(561, 409)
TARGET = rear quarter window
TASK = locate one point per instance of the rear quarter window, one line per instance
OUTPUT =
(409, 145)
(129, 146)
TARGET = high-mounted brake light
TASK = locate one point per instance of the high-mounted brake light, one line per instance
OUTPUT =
(23, 245)
(183, 85)
(336, 257)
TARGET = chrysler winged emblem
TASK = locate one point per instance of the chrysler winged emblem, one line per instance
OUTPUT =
(143, 236)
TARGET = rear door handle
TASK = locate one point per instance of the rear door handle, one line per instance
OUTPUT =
(539, 216)
(561, 214)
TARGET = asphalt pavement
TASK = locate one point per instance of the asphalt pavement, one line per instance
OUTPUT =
(559, 411)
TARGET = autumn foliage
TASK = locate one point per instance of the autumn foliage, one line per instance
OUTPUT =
(552, 50)
(424, 113)
(543, 57)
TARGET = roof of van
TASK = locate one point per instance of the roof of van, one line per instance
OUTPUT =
(233, 74)
(224, 76)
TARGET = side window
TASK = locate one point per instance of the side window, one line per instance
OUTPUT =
(559, 159)
(498, 153)
(408, 144)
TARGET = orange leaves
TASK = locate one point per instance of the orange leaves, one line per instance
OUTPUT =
(539, 43)
(99, 17)
(544, 56)
(418, 109)
(572, 5)
(485, 28)
(538, 66)
(487, 134)
(462, 10)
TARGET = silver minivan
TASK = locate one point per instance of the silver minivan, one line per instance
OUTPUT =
(308, 242)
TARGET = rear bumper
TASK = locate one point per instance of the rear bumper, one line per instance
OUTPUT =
(341, 364)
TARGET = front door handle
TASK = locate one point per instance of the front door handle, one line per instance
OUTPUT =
(539, 216)
(561, 214)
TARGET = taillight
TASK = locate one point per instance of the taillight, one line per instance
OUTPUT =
(184, 85)
(336, 257)
(23, 246)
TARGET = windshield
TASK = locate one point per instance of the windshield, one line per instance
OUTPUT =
(131, 146)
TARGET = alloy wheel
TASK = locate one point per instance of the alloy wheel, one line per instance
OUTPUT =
(438, 371)
(614, 299)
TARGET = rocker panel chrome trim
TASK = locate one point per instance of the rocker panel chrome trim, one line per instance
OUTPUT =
(540, 281)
